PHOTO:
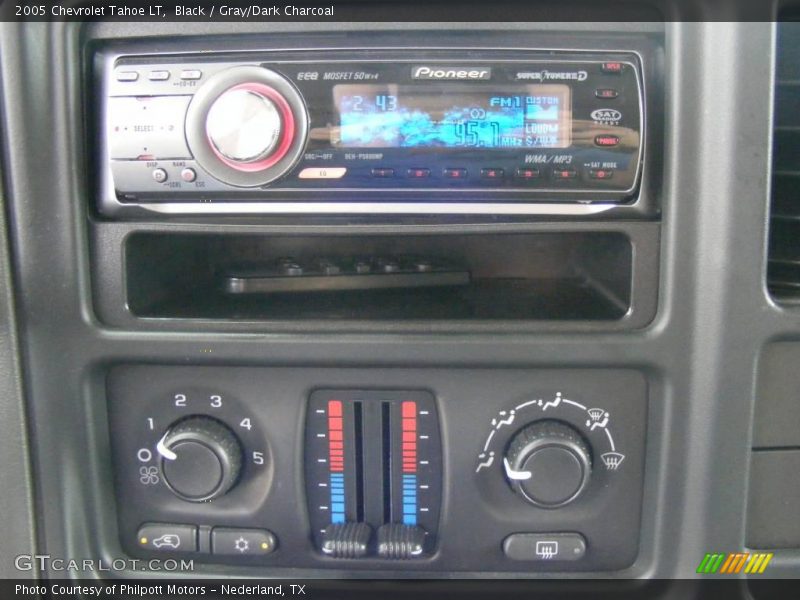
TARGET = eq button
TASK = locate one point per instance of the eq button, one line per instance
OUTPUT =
(606, 140)
(322, 173)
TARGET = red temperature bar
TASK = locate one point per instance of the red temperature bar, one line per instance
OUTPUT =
(335, 436)
(409, 429)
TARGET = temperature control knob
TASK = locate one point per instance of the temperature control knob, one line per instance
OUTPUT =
(548, 463)
(201, 458)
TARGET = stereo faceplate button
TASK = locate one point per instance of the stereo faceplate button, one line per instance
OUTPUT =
(526, 173)
(606, 93)
(158, 75)
(606, 140)
(322, 173)
(151, 126)
(160, 175)
(458, 174)
(127, 76)
(611, 68)
(492, 173)
(188, 174)
(191, 74)
(561, 173)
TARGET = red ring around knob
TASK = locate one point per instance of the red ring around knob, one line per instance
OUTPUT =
(287, 129)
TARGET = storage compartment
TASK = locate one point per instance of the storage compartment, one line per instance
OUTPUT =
(520, 276)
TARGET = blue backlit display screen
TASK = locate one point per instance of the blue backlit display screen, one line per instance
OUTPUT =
(414, 116)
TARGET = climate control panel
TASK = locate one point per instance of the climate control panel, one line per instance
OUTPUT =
(432, 470)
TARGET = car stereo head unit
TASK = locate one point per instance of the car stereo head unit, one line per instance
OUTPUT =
(437, 132)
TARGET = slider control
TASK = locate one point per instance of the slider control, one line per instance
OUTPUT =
(399, 541)
(346, 540)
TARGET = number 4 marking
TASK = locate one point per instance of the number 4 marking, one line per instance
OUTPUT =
(246, 424)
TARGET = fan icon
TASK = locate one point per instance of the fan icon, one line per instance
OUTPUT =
(148, 475)
(242, 545)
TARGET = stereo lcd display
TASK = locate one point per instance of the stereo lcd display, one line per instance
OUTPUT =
(453, 116)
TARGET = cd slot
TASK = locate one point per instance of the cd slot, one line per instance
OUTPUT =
(561, 276)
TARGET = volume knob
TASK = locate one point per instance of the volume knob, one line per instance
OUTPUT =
(201, 458)
(247, 126)
(548, 463)
(244, 125)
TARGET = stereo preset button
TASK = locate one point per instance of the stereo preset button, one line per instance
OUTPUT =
(191, 74)
(527, 173)
(241, 542)
(322, 173)
(545, 546)
(382, 172)
(166, 537)
(160, 175)
(455, 173)
(158, 75)
(606, 140)
(127, 76)
(613, 68)
(601, 173)
(418, 173)
(606, 93)
(492, 173)
(564, 174)
(188, 174)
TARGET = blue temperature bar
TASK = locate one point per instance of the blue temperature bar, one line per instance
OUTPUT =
(337, 498)
(409, 499)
